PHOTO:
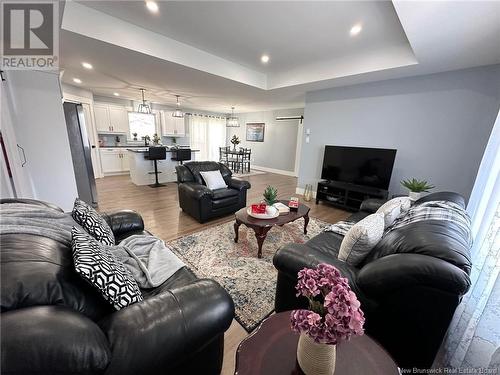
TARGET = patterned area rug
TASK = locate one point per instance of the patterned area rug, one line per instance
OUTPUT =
(251, 282)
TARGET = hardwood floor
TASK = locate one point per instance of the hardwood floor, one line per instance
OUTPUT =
(162, 216)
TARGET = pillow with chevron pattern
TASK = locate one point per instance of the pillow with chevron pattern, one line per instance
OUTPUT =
(92, 222)
(96, 264)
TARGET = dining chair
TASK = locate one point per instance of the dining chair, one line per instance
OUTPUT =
(246, 158)
(223, 155)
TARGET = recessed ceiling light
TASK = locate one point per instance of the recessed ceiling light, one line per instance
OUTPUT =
(116, 94)
(264, 59)
(77, 80)
(356, 29)
(87, 65)
(152, 6)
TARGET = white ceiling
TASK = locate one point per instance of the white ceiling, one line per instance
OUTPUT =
(209, 52)
(294, 33)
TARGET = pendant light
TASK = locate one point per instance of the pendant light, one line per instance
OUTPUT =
(143, 107)
(178, 113)
(232, 121)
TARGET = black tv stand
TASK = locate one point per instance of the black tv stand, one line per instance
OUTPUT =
(347, 196)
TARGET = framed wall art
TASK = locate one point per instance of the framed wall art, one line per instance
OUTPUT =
(255, 131)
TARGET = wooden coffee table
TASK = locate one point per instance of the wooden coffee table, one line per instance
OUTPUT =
(272, 350)
(262, 226)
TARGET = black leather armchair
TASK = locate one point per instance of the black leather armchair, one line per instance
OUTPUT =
(409, 286)
(53, 322)
(202, 203)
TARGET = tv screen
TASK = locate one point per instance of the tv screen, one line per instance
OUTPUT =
(358, 165)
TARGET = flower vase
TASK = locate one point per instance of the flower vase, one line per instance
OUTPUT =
(415, 196)
(314, 358)
(308, 193)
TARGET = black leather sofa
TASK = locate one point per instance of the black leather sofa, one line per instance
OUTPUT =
(202, 203)
(53, 322)
(409, 285)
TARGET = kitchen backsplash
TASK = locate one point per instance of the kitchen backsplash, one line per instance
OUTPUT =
(121, 140)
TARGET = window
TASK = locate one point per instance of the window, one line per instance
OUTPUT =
(207, 134)
(141, 123)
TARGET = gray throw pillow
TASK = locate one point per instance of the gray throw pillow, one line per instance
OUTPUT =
(361, 239)
(393, 208)
(214, 180)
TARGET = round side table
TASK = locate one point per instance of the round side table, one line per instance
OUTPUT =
(271, 350)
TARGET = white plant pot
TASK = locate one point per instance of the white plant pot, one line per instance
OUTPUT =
(414, 195)
(314, 358)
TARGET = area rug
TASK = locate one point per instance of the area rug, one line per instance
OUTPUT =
(251, 282)
(253, 172)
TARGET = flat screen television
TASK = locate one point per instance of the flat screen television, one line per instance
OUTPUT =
(359, 165)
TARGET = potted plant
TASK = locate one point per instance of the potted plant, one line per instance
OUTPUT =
(156, 139)
(270, 195)
(235, 141)
(416, 188)
(135, 136)
(146, 139)
(334, 315)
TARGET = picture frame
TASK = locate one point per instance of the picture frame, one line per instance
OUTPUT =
(255, 131)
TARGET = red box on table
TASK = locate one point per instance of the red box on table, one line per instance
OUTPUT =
(259, 208)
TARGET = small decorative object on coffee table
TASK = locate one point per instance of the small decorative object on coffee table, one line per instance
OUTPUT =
(270, 195)
(293, 203)
(262, 226)
(416, 188)
(271, 350)
(334, 315)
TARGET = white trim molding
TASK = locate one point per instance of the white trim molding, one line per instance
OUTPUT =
(277, 171)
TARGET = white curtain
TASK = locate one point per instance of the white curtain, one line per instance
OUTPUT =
(473, 338)
(207, 134)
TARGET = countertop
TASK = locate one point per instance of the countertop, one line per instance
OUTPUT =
(143, 150)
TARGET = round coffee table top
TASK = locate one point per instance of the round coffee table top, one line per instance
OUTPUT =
(272, 350)
(248, 220)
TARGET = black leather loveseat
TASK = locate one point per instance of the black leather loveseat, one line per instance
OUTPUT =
(409, 285)
(53, 322)
(202, 203)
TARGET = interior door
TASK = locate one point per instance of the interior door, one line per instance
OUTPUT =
(13, 157)
(93, 140)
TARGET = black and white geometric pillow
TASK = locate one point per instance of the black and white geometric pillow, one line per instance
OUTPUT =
(92, 222)
(96, 264)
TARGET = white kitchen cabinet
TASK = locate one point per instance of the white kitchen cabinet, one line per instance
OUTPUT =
(172, 126)
(114, 160)
(118, 118)
(111, 119)
(102, 118)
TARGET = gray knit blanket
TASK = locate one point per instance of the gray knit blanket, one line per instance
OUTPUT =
(149, 260)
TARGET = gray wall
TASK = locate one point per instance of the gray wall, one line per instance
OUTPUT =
(280, 138)
(439, 123)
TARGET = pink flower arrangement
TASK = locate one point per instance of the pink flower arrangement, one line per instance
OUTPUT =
(334, 310)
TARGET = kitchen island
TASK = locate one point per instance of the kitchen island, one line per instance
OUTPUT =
(142, 169)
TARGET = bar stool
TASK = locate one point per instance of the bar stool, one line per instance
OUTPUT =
(155, 154)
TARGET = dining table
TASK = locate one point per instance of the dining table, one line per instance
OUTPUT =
(235, 159)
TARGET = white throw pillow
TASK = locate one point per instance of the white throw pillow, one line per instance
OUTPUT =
(361, 239)
(214, 180)
(393, 208)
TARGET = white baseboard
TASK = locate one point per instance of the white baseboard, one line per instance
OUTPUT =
(272, 170)
(300, 191)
